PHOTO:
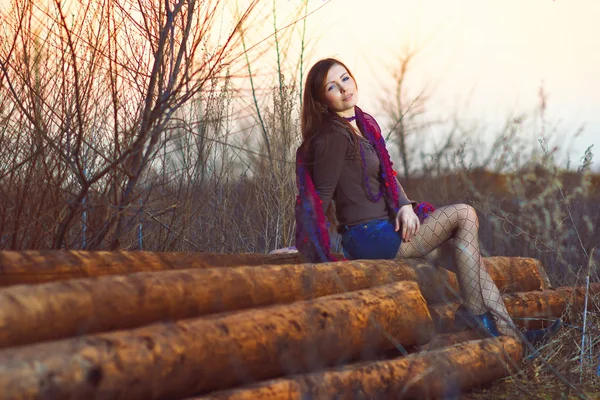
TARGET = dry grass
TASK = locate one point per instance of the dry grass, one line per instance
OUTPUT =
(557, 373)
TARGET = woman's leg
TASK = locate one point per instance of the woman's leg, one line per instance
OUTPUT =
(459, 223)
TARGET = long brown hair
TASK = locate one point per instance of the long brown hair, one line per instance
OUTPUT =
(314, 113)
(313, 108)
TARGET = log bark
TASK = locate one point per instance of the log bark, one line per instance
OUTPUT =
(530, 310)
(437, 374)
(34, 313)
(540, 308)
(31, 266)
(517, 274)
(174, 360)
(56, 310)
(448, 339)
(512, 274)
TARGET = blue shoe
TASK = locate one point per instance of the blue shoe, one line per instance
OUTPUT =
(539, 336)
(536, 336)
(533, 336)
(488, 322)
(485, 323)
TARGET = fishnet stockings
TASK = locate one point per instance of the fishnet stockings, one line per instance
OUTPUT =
(459, 223)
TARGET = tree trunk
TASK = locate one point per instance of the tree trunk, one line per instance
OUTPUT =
(540, 307)
(437, 374)
(32, 266)
(511, 274)
(448, 339)
(56, 310)
(192, 356)
(28, 267)
(34, 313)
(517, 274)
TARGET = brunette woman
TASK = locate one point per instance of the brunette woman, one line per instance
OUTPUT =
(343, 161)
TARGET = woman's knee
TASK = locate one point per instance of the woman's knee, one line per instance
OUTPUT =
(467, 213)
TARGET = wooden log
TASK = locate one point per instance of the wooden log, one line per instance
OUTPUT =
(439, 341)
(33, 313)
(511, 273)
(178, 359)
(517, 274)
(443, 316)
(528, 309)
(56, 310)
(31, 266)
(448, 339)
(437, 374)
(537, 309)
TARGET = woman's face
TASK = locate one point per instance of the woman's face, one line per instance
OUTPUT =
(339, 91)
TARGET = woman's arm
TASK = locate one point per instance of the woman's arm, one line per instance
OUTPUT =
(406, 218)
(330, 152)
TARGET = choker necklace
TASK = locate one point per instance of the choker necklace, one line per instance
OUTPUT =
(350, 119)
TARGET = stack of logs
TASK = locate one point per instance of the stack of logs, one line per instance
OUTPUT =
(119, 325)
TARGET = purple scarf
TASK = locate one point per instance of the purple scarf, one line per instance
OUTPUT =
(312, 236)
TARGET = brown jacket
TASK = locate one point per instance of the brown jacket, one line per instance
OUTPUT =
(335, 163)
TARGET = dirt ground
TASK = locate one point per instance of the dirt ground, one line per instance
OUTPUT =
(559, 372)
(549, 378)
(514, 389)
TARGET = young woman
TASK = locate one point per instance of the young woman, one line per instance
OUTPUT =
(343, 160)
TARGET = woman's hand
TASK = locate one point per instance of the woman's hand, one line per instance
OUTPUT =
(409, 221)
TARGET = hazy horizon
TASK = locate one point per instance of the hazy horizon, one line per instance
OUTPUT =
(485, 60)
(482, 61)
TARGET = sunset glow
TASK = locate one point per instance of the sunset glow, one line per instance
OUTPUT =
(480, 61)
(485, 60)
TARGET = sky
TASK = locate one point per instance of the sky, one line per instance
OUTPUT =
(481, 60)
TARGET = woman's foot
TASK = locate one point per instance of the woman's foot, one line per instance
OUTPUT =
(537, 336)
(489, 324)
(486, 324)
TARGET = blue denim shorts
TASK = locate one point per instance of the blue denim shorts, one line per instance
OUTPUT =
(371, 240)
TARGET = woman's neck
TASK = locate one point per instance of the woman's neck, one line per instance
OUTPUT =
(349, 114)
